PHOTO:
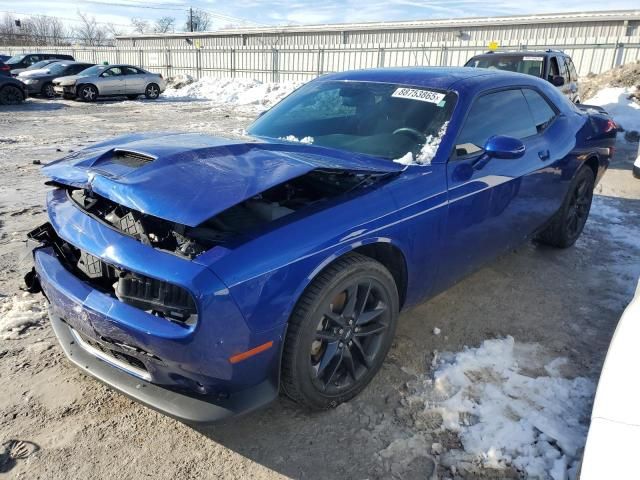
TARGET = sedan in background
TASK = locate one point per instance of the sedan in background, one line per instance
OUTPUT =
(110, 81)
(201, 275)
(21, 62)
(40, 81)
(12, 91)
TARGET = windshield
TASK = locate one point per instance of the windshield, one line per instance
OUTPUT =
(381, 119)
(529, 64)
(15, 59)
(95, 70)
(40, 64)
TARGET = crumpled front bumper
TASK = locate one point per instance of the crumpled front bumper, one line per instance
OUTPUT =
(181, 370)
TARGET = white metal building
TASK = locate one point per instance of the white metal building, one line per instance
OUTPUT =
(605, 25)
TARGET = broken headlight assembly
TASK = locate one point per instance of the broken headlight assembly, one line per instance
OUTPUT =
(154, 296)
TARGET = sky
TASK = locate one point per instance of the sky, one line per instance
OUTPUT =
(295, 12)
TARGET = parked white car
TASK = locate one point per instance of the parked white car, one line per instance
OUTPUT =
(110, 80)
(636, 165)
(614, 435)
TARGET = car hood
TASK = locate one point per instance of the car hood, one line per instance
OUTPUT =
(189, 178)
(68, 80)
(34, 73)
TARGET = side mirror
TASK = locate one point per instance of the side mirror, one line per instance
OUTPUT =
(557, 80)
(500, 146)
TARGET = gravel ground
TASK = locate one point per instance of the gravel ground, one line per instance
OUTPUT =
(568, 302)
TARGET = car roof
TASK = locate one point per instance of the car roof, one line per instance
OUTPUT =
(434, 77)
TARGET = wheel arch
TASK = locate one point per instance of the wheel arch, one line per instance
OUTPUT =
(381, 249)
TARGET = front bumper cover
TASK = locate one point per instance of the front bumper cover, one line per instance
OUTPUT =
(180, 406)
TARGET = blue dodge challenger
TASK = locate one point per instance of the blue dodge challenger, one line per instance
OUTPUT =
(200, 275)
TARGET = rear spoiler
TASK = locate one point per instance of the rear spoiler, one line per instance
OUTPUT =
(586, 108)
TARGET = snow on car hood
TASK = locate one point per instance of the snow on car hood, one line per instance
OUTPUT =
(189, 178)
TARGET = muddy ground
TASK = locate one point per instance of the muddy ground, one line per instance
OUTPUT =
(567, 301)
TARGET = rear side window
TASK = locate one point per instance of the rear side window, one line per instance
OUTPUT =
(541, 111)
(132, 71)
(564, 71)
(500, 113)
(554, 70)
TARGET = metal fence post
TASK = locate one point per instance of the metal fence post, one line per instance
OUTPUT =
(320, 61)
(274, 65)
(141, 58)
(233, 62)
(380, 57)
(198, 64)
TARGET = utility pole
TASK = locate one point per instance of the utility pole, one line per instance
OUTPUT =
(191, 19)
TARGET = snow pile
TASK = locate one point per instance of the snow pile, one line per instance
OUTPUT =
(507, 417)
(20, 313)
(622, 103)
(179, 81)
(233, 91)
(428, 151)
(627, 75)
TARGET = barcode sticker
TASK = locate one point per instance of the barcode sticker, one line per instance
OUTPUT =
(532, 59)
(420, 95)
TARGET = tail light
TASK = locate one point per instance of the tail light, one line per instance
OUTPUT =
(5, 68)
(610, 126)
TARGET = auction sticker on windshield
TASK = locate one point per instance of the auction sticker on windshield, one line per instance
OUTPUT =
(416, 94)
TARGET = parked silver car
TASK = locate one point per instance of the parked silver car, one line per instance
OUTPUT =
(110, 80)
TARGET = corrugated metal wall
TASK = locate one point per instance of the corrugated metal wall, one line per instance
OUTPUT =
(562, 27)
(592, 55)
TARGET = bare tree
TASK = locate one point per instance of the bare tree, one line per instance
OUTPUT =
(164, 25)
(139, 25)
(89, 32)
(197, 21)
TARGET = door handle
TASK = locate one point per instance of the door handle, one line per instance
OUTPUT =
(544, 155)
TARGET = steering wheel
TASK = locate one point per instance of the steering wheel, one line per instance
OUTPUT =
(412, 132)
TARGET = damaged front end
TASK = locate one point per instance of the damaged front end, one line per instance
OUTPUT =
(154, 296)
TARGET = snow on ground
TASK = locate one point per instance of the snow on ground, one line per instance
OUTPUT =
(232, 91)
(620, 104)
(19, 313)
(509, 407)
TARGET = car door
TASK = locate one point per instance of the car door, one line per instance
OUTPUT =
(111, 81)
(573, 79)
(497, 205)
(135, 80)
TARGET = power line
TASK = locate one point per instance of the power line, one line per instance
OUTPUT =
(61, 18)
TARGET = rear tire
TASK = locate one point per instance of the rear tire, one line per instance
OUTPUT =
(88, 93)
(339, 333)
(11, 95)
(568, 223)
(48, 91)
(152, 91)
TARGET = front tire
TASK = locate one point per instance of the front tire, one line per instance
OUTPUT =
(152, 91)
(11, 95)
(568, 223)
(48, 91)
(88, 93)
(339, 333)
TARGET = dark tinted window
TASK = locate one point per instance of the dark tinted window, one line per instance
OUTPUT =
(564, 71)
(540, 109)
(500, 113)
(554, 70)
(132, 71)
(572, 70)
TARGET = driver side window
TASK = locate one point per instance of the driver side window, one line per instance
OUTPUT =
(112, 72)
(500, 113)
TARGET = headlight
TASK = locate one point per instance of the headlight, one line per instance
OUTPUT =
(31, 81)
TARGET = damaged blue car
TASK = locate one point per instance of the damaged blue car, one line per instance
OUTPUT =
(201, 276)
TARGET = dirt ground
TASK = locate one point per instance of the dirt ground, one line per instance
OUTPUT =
(567, 301)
